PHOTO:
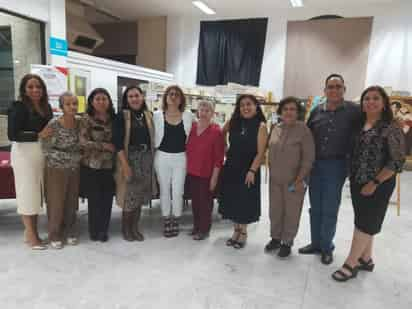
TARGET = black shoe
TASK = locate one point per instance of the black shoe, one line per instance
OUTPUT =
(327, 258)
(340, 276)
(272, 245)
(93, 237)
(366, 266)
(284, 251)
(103, 237)
(309, 249)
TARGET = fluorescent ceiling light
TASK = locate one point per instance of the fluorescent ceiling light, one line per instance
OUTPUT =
(296, 3)
(203, 7)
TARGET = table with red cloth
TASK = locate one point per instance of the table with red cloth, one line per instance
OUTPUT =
(7, 189)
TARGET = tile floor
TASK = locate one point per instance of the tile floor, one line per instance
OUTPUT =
(182, 273)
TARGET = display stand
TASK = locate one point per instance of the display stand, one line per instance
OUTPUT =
(398, 194)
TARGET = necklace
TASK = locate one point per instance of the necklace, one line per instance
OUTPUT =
(139, 119)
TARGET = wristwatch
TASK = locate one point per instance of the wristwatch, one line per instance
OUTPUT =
(376, 182)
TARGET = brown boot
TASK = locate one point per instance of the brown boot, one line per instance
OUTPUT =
(135, 225)
(127, 222)
(175, 227)
(167, 227)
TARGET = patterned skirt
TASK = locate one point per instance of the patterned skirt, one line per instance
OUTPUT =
(139, 186)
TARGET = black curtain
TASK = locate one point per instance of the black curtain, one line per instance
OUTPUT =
(231, 51)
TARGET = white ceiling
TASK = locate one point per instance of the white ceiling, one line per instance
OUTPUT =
(131, 9)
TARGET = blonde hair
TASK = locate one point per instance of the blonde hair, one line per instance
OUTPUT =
(206, 103)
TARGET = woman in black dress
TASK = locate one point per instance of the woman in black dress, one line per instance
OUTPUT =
(378, 155)
(240, 184)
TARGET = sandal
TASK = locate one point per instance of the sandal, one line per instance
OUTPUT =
(240, 244)
(340, 276)
(366, 266)
(231, 241)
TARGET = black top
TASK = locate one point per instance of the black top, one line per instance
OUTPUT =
(379, 147)
(24, 123)
(174, 139)
(139, 132)
(333, 130)
(243, 144)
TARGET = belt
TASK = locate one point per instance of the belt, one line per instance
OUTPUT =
(140, 147)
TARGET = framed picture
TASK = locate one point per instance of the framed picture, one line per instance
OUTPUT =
(402, 110)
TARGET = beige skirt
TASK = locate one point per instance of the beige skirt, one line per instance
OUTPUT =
(27, 161)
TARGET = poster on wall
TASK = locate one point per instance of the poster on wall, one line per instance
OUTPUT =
(123, 83)
(80, 84)
(55, 79)
(402, 110)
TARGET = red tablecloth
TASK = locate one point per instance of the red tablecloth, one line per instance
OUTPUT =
(7, 189)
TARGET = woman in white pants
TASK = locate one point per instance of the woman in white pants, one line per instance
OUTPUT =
(172, 127)
(27, 124)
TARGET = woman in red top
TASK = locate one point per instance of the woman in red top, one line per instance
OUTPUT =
(205, 152)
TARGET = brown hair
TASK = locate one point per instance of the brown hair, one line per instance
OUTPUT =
(176, 88)
(299, 109)
(44, 100)
(90, 108)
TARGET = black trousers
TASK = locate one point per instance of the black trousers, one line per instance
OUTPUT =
(99, 190)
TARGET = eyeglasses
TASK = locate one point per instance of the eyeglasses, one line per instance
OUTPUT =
(333, 87)
(173, 94)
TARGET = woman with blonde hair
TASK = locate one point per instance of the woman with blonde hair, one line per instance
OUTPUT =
(205, 153)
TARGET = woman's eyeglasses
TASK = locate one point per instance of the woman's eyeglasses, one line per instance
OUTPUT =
(173, 94)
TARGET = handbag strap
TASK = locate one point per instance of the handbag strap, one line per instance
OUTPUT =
(127, 127)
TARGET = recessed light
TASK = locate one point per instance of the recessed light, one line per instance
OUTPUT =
(203, 7)
(296, 3)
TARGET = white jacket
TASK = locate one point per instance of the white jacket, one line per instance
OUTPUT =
(159, 125)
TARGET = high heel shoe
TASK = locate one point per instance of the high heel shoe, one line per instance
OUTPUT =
(231, 241)
(240, 244)
(39, 247)
(366, 266)
(43, 241)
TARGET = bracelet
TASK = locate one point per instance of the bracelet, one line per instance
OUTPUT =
(252, 171)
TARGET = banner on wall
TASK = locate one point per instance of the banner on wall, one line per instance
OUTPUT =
(55, 79)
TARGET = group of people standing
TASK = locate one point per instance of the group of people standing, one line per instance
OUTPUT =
(136, 153)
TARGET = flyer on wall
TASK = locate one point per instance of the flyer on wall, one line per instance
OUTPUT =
(55, 79)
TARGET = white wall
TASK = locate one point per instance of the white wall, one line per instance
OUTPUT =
(57, 28)
(104, 72)
(183, 40)
(51, 12)
(37, 9)
(390, 54)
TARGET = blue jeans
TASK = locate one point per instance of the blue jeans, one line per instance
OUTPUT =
(325, 192)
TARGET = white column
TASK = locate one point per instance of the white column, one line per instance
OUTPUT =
(57, 29)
